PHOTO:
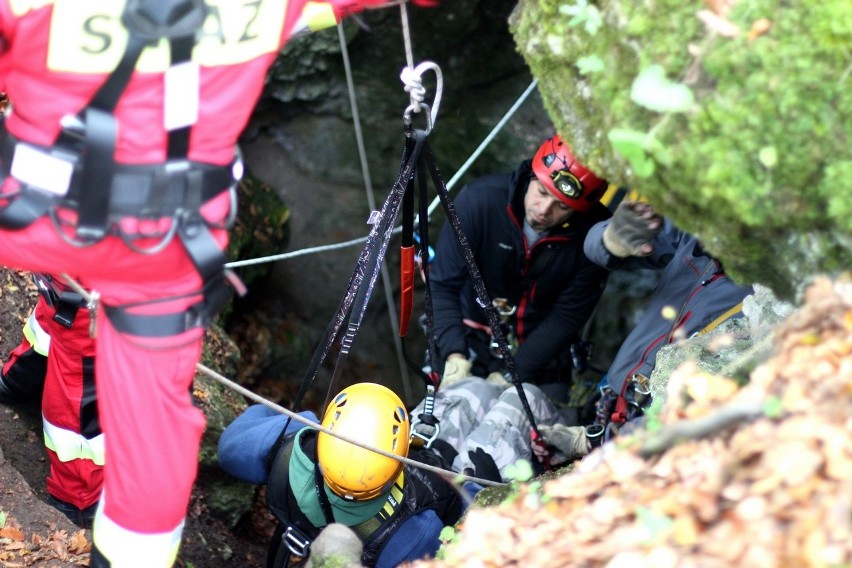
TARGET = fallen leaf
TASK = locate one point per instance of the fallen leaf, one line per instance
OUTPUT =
(718, 24)
(11, 533)
(758, 28)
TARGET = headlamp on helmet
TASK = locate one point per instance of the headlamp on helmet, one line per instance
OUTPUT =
(564, 177)
(375, 416)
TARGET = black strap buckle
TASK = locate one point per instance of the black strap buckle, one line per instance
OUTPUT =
(296, 541)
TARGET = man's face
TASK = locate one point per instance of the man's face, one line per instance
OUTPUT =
(542, 209)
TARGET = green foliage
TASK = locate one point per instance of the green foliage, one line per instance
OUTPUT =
(652, 416)
(521, 470)
(743, 141)
(773, 408)
(583, 14)
(262, 227)
(448, 536)
(653, 90)
(641, 149)
(655, 524)
(590, 64)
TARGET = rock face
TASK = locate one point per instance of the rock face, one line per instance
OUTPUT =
(306, 105)
(733, 117)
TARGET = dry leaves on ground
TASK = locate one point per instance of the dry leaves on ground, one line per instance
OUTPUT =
(18, 549)
(774, 490)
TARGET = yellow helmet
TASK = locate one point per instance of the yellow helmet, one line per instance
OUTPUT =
(373, 415)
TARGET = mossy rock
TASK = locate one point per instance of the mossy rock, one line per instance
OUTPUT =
(261, 229)
(755, 160)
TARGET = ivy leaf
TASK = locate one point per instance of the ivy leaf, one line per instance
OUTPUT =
(590, 64)
(521, 470)
(653, 90)
(655, 524)
(768, 156)
(632, 145)
(585, 14)
(773, 407)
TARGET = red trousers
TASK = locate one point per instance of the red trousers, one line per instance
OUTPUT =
(152, 430)
(69, 407)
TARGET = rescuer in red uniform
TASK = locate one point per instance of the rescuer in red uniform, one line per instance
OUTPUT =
(118, 164)
(54, 365)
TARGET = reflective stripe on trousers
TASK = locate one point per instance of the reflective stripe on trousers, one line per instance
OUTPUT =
(36, 335)
(69, 445)
(129, 549)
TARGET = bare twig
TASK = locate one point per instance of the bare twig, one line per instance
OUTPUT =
(669, 436)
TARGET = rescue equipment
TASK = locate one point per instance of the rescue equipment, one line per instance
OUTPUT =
(373, 415)
(84, 177)
(567, 179)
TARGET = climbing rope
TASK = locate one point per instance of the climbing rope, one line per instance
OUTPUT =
(371, 202)
(450, 184)
(91, 301)
(445, 473)
(412, 79)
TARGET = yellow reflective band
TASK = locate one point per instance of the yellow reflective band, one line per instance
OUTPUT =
(610, 194)
(36, 335)
(718, 321)
(394, 497)
(88, 37)
(318, 16)
(69, 445)
(124, 548)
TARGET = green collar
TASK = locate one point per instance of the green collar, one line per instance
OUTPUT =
(301, 473)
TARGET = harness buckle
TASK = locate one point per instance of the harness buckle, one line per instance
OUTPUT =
(195, 316)
(504, 308)
(296, 541)
(427, 418)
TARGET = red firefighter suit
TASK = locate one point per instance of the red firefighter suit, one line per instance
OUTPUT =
(57, 355)
(117, 161)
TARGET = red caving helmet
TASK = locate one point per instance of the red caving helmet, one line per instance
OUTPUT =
(571, 182)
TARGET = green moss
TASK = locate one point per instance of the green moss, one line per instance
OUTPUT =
(784, 93)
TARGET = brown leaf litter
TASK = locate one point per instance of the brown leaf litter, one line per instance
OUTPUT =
(770, 490)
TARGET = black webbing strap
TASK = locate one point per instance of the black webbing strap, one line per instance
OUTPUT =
(407, 240)
(482, 297)
(68, 303)
(423, 228)
(319, 485)
(147, 21)
(99, 143)
(432, 380)
(216, 293)
(366, 271)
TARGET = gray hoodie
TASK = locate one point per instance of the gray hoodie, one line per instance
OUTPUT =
(692, 282)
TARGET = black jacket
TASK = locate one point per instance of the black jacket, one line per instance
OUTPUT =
(554, 285)
(421, 490)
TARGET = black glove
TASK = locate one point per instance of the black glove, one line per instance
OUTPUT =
(632, 228)
(444, 449)
(484, 466)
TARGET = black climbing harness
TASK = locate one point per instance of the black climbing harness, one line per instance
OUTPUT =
(102, 191)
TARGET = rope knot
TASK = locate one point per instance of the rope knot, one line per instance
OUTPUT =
(412, 78)
(413, 82)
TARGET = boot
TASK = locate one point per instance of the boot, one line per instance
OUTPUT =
(12, 395)
(97, 560)
(81, 517)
